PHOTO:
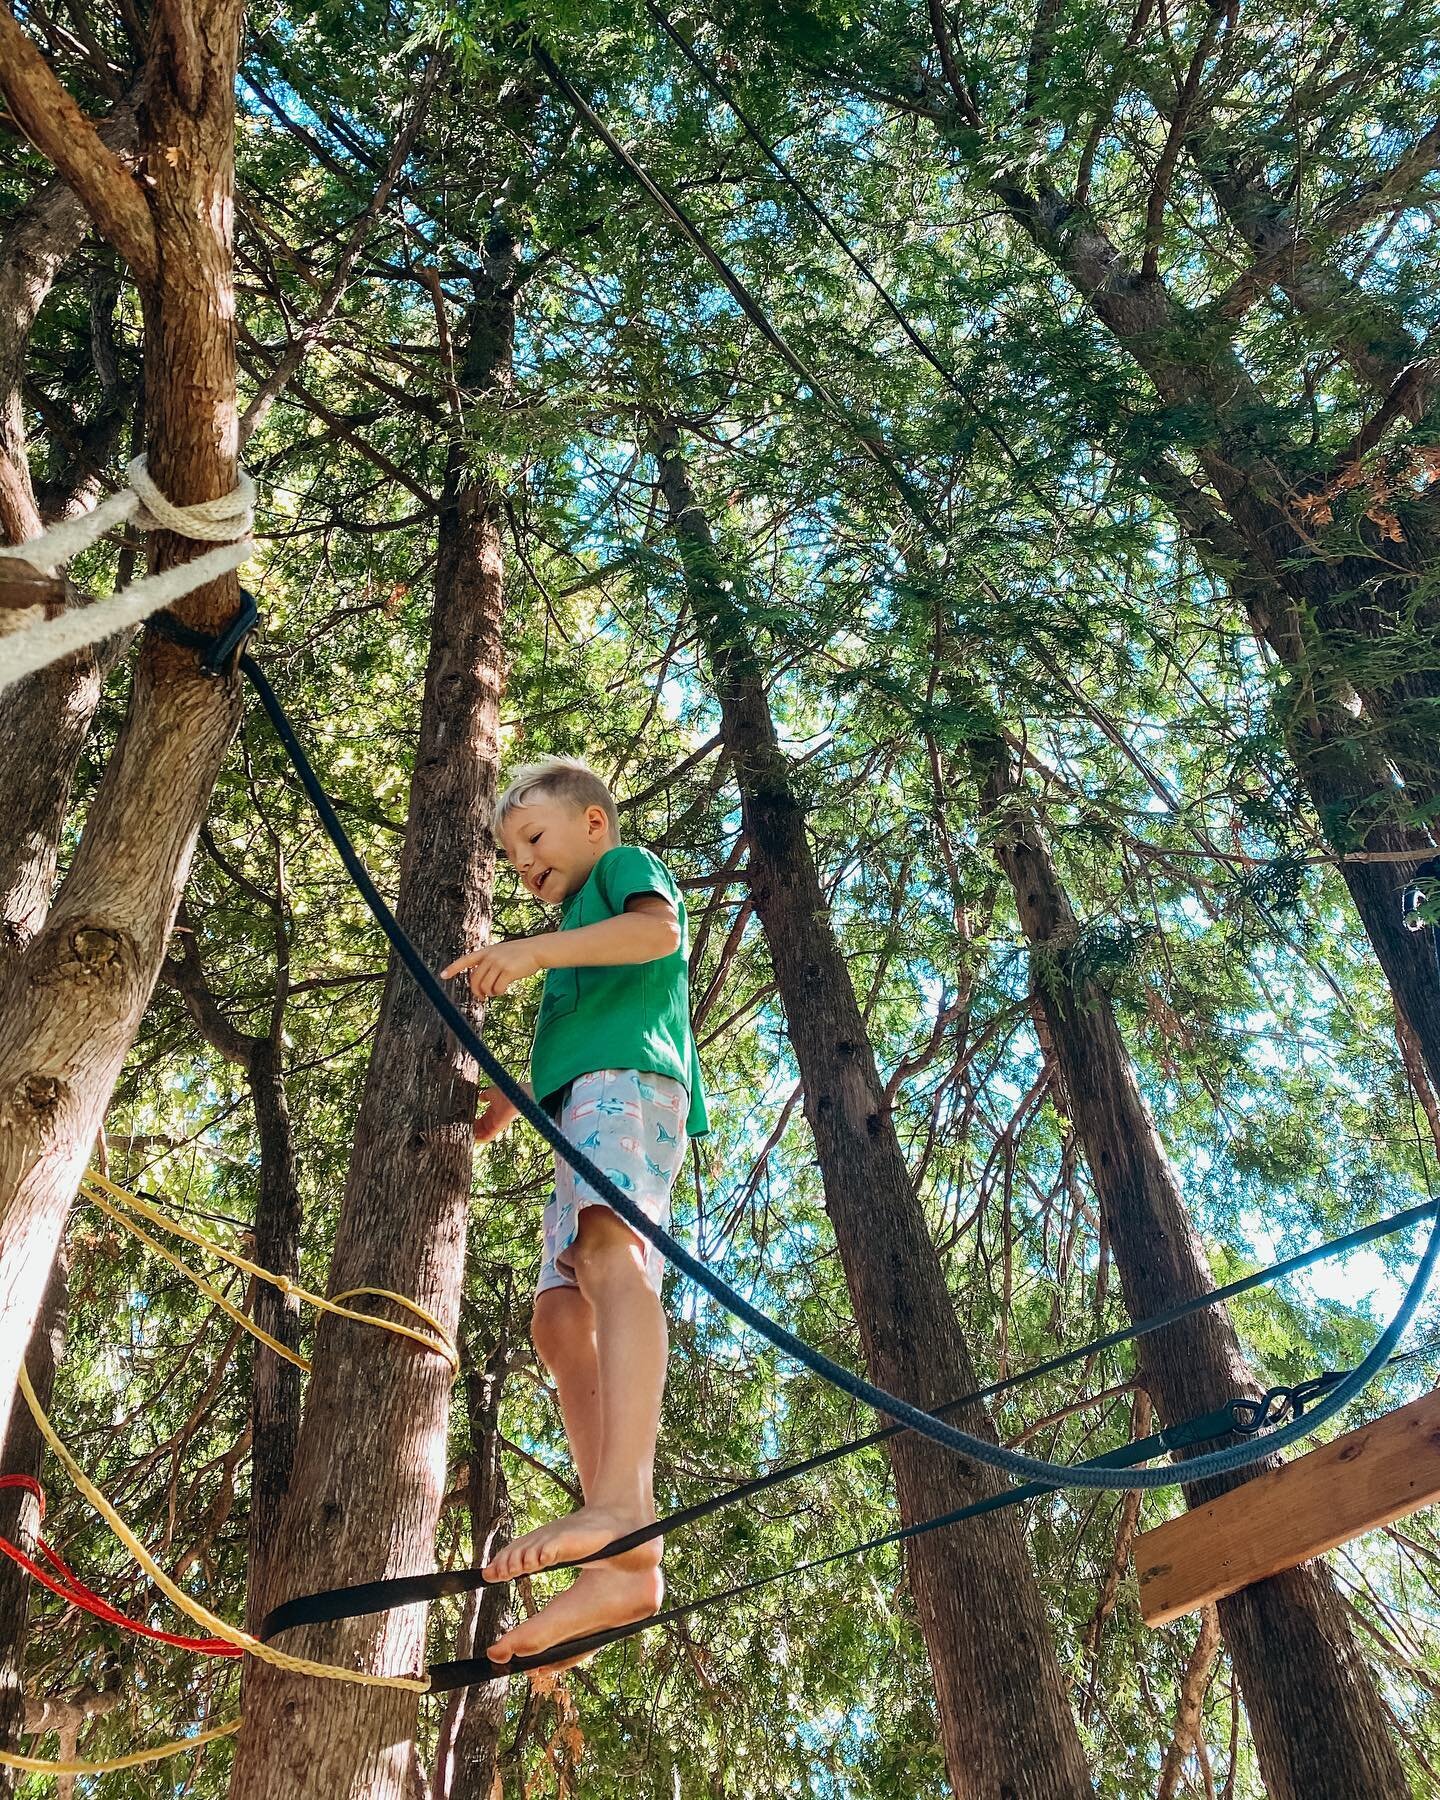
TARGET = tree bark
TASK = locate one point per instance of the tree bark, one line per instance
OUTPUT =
(47, 719)
(71, 1002)
(1318, 1721)
(279, 1217)
(1005, 1719)
(19, 1514)
(467, 1767)
(370, 1466)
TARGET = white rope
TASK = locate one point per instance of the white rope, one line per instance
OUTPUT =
(225, 522)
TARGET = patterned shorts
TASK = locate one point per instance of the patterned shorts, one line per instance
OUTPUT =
(632, 1126)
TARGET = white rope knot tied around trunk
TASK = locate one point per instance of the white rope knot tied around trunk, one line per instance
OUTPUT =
(225, 522)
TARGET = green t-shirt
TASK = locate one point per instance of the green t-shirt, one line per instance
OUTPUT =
(622, 1015)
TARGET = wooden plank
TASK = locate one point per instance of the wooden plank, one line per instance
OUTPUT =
(1365, 1479)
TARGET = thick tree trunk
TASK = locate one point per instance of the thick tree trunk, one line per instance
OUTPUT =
(70, 1004)
(1317, 1719)
(370, 1466)
(1005, 1718)
(469, 1758)
(19, 1514)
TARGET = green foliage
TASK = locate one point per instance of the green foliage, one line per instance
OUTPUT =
(1061, 604)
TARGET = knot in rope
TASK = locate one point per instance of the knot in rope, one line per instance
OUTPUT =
(221, 521)
(226, 523)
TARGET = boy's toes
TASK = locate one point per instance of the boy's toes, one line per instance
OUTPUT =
(503, 1566)
(538, 1556)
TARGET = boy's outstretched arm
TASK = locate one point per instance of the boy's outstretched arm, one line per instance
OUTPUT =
(647, 930)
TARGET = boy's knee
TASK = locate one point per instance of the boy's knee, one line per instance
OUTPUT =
(555, 1325)
(605, 1249)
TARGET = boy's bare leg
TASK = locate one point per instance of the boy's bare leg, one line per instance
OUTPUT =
(631, 1346)
(563, 1331)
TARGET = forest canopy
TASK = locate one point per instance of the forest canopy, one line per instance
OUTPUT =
(969, 481)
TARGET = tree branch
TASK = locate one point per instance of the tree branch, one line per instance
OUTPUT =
(58, 129)
(275, 383)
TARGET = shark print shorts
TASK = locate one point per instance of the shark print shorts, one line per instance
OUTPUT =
(631, 1125)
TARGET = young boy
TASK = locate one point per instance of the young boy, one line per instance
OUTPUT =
(614, 1062)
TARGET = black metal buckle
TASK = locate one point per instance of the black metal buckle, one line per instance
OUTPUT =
(219, 654)
(1248, 1417)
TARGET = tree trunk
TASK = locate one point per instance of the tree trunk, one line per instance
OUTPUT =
(468, 1763)
(1313, 610)
(47, 719)
(19, 1514)
(1004, 1715)
(1317, 1719)
(279, 1217)
(370, 1465)
(71, 1002)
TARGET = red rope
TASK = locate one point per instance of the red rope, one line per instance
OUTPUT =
(72, 1589)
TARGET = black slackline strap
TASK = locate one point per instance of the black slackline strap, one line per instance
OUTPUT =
(220, 651)
(467, 1671)
(1240, 1415)
(405, 1590)
(1096, 1475)
(1009, 1462)
(981, 1450)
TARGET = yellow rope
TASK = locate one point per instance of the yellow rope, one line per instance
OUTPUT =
(296, 1665)
(436, 1338)
(39, 1765)
(211, 1293)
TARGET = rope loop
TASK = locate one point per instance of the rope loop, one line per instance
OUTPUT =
(221, 521)
(224, 523)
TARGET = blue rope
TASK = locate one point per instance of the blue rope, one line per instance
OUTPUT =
(980, 1450)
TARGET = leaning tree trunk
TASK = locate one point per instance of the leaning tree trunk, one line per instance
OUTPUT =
(370, 1466)
(1308, 608)
(71, 1002)
(1317, 1719)
(1004, 1714)
(20, 1515)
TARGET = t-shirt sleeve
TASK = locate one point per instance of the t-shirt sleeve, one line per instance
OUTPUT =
(629, 871)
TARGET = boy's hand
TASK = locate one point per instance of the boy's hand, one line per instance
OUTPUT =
(496, 1112)
(497, 967)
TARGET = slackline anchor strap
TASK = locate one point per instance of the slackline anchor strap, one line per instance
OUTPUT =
(220, 653)
(468, 1671)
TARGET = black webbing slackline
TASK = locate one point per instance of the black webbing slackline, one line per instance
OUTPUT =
(1234, 1416)
(219, 656)
(214, 654)
(406, 1590)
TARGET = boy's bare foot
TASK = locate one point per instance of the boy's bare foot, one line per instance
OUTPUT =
(605, 1594)
(568, 1539)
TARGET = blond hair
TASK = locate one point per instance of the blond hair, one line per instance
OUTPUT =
(559, 778)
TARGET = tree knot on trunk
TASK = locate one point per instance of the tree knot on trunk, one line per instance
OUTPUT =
(39, 1095)
(90, 955)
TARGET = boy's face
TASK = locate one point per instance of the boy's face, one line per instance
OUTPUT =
(554, 845)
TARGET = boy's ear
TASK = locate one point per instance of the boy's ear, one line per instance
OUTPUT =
(597, 822)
